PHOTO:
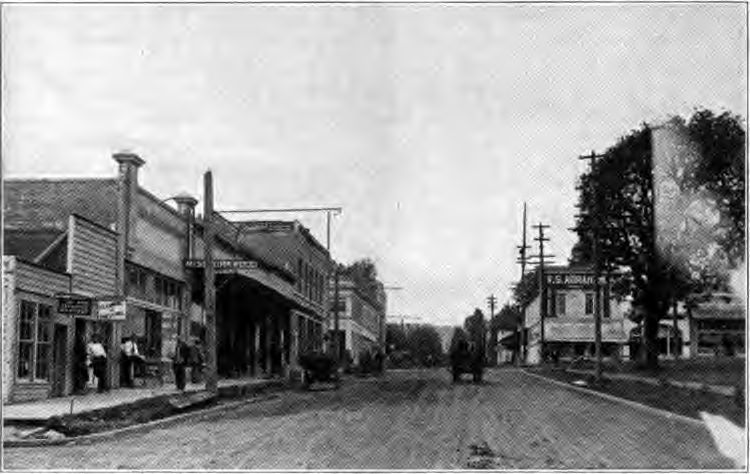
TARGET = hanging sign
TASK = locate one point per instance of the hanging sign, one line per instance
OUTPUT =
(112, 310)
(74, 305)
(222, 264)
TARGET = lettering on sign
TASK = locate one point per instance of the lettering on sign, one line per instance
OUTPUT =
(570, 279)
(112, 309)
(74, 305)
(222, 264)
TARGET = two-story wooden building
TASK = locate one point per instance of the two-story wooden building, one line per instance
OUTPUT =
(568, 328)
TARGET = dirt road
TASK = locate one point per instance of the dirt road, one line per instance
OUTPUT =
(405, 420)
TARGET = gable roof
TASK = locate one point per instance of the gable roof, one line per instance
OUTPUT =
(28, 244)
(48, 203)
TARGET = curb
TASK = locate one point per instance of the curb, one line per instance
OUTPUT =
(656, 411)
(137, 428)
(726, 390)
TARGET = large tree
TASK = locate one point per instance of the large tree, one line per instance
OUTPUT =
(618, 208)
(395, 337)
(425, 346)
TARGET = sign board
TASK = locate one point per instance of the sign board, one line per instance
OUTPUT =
(570, 280)
(112, 310)
(74, 305)
(222, 264)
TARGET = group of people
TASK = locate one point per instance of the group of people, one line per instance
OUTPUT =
(91, 365)
(187, 355)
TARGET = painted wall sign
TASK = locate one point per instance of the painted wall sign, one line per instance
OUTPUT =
(74, 305)
(222, 264)
(114, 310)
(570, 279)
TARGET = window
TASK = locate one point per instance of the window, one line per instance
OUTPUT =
(589, 303)
(299, 275)
(560, 304)
(149, 286)
(34, 341)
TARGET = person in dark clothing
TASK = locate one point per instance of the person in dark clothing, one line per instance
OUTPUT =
(81, 365)
(179, 362)
(195, 361)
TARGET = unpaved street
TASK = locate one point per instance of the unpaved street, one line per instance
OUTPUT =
(405, 420)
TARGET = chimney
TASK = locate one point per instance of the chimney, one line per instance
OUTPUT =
(127, 187)
(186, 206)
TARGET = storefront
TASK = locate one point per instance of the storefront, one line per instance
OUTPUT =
(568, 329)
(36, 337)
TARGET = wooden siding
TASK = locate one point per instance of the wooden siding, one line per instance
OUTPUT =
(9, 325)
(93, 261)
(39, 280)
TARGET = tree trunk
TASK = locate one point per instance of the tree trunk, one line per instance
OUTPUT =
(651, 341)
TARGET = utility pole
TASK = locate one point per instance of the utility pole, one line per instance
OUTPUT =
(491, 300)
(522, 259)
(595, 234)
(209, 298)
(542, 287)
(335, 338)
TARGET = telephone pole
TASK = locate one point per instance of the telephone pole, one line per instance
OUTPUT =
(542, 287)
(522, 259)
(595, 230)
(491, 300)
(208, 282)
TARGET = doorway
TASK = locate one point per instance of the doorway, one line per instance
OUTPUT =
(59, 363)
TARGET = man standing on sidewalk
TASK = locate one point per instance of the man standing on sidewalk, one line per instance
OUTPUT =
(128, 356)
(179, 361)
(98, 357)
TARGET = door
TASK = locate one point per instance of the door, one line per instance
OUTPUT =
(60, 362)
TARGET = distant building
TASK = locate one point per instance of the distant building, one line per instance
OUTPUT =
(362, 316)
(717, 325)
(568, 328)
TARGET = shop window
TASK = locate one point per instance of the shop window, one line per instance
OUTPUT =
(34, 341)
(560, 304)
(589, 304)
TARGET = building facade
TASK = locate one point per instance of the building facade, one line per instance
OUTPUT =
(362, 317)
(568, 328)
(107, 257)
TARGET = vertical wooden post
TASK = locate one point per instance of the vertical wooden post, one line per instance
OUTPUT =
(210, 291)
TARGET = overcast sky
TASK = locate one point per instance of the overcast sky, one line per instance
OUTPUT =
(429, 124)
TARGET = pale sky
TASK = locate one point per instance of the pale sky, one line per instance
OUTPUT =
(429, 124)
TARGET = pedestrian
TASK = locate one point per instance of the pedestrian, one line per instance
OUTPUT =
(98, 357)
(81, 377)
(179, 361)
(128, 355)
(196, 360)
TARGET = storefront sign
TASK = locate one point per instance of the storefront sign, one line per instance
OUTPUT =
(74, 305)
(112, 310)
(222, 264)
(570, 280)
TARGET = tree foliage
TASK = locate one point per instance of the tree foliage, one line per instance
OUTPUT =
(527, 289)
(395, 337)
(617, 197)
(425, 346)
